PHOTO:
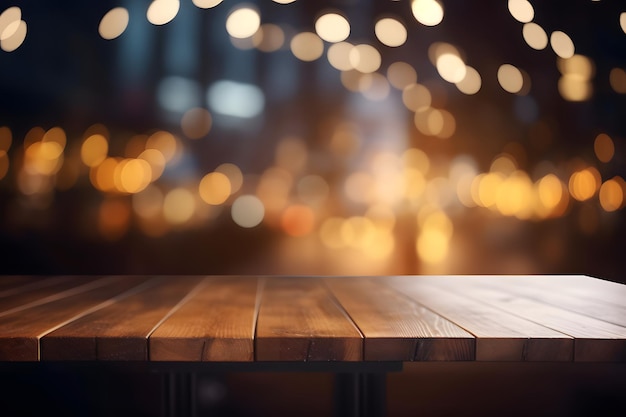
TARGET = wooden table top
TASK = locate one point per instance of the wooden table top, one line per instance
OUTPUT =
(297, 319)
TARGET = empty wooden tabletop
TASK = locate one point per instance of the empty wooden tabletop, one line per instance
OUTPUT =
(312, 319)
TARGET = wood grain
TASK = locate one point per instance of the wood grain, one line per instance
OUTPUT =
(216, 323)
(588, 296)
(396, 328)
(20, 332)
(595, 340)
(12, 284)
(44, 291)
(500, 336)
(119, 331)
(299, 320)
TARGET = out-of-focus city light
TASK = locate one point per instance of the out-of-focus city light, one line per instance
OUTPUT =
(451, 67)
(307, 46)
(206, 4)
(4, 163)
(312, 190)
(6, 138)
(365, 58)
(273, 190)
(339, 56)
(375, 86)
(535, 36)
(156, 160)
(577, 71)
(612, 194)
(427, 12)
(416, 97)
(247, 211)
(510, 78)
(432, 245)
(369, 179)
(604, 147)
(113, 23)
(161, 12)
(165, 143)
(332, 27)
(148, 203)
(179, 94)
(12, 29)
(617, 78)
(179, 206)
(390, 32)
(214, 188)
(236, 99)
(269, 38)
(551, 192)
(401, 75)
(9, 19)
(196, 123)
(584, 184)
(243, 22)
(471, 83)
(298, 220)
(234, 175)
(562, 44)
(521, 10)
(134, 175)
(94, 150)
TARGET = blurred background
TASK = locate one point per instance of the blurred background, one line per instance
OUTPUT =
(329, 137)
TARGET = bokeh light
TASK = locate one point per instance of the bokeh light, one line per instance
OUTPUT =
(179, 206)
(612, 195)
(243, 22)
(510, 78)
(390, 32)
(604, 147)
(535, 36)
(113, 23)
(312, 125)
(401, 74)
(307, 46)
(247, 211)
(215, 188)
(471, 82)
(427, 12)
(562, 44)
(332, 27)
(196, 123)
(161, 12)
(521, 10)
(206, 4)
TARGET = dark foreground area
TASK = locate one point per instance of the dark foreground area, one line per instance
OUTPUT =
(425, 389)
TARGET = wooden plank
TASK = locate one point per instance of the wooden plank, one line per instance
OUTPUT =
(500, 336)
(591, 302)
(45, 291)
(8, 282)
(299, 320)
(585, 287)
(21, 331)
(216, 323)
(396, 328)
(11, 284)
(595, 340)
(119, 331)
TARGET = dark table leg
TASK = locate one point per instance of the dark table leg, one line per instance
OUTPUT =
(179, 394)
(360, 395)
